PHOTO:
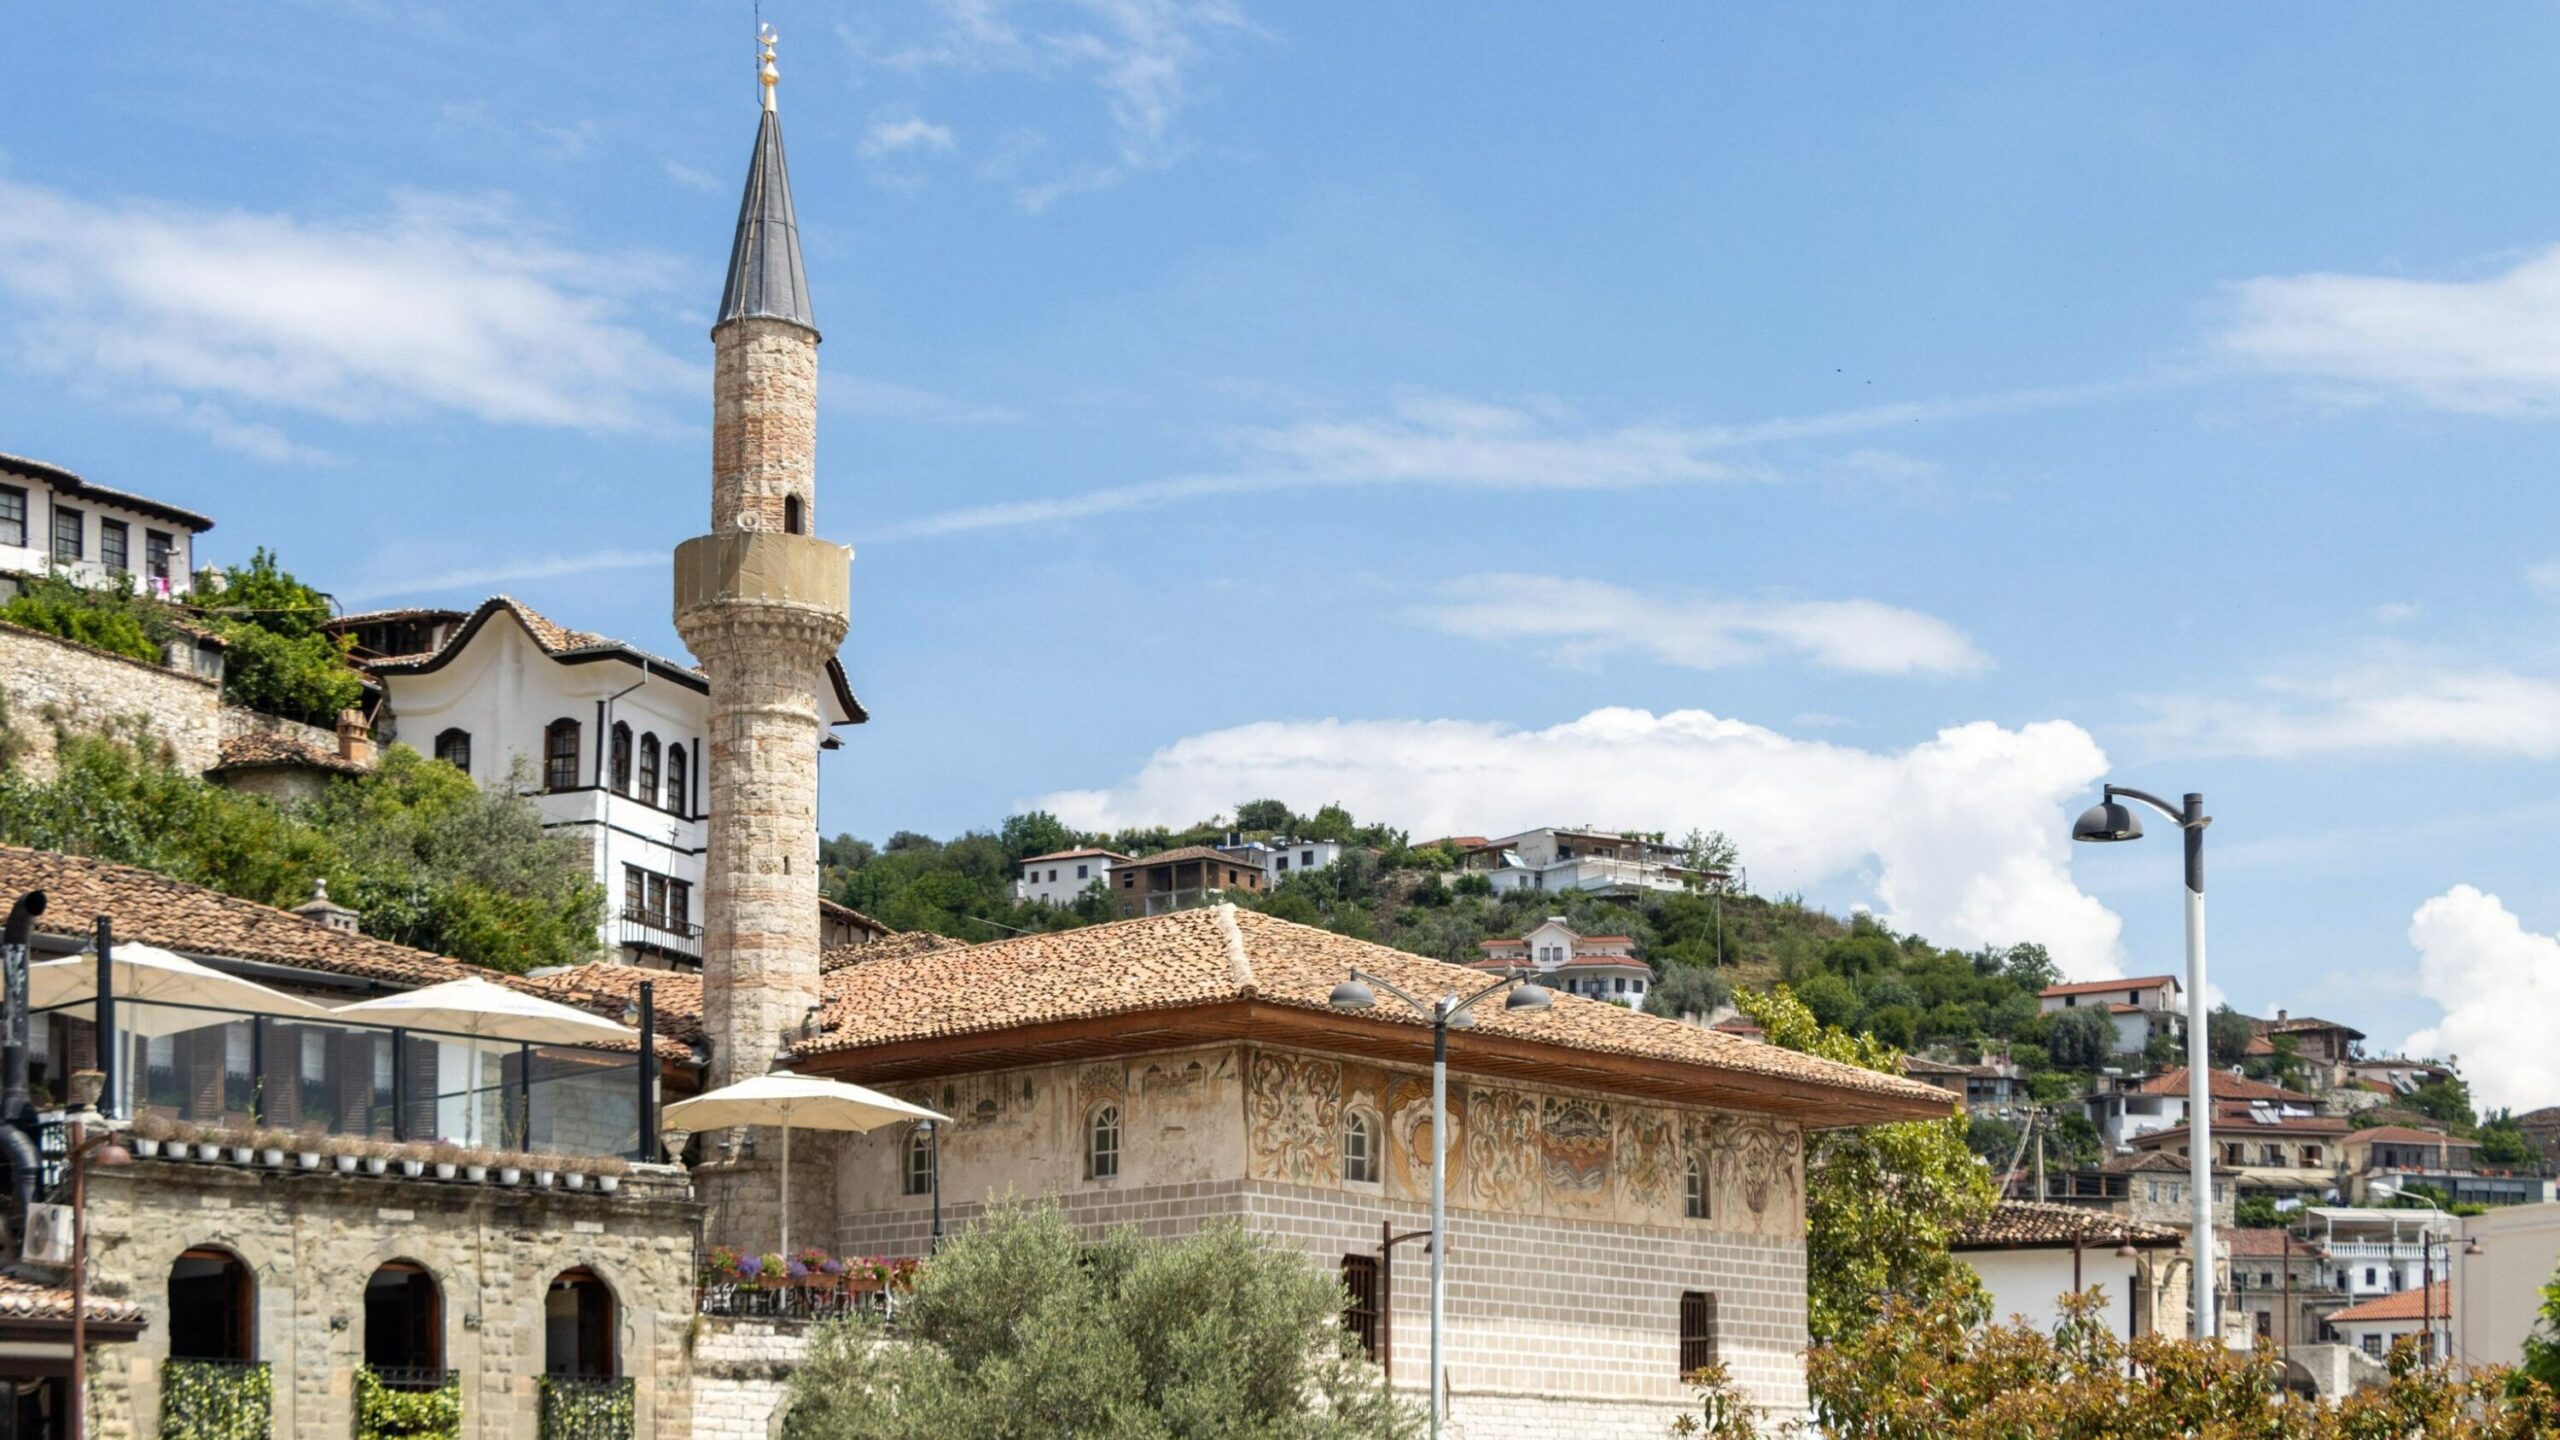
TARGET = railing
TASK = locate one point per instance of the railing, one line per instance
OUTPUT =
(217, 1399)
(579, 1407)
(414, 1378)
(793, 1302)
(644, 931)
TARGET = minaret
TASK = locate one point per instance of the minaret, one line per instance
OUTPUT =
(763, 604)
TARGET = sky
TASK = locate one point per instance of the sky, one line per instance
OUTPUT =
(1864, 430)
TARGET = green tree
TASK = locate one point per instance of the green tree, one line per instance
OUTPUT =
(1679, 990)
(1021, 1327)
(110, 618)
(2227, 1036)
(277, 658)
(1271, 816)
(1883, 1203)
(2080, 1039)
(1035, 832)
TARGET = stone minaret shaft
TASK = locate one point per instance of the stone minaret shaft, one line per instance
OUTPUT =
(763, 604)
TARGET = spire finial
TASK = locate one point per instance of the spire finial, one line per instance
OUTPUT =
(766, 76)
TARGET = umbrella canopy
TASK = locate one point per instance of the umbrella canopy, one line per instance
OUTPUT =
(147, 979)
(786, 1100)
(473, 1006)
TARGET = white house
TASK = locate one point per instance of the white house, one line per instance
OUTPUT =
(606, 737)
(1059, 877)
(53, 519)
(1603, 967)
(2135, 1108)
(2374, 1253)
(2030, 1255)
(1595, 860)
(1281, 859)
(2140, 1008)
(2374, 1326)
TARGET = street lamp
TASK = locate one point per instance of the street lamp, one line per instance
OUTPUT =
(1446, 1013)
(2110, 820)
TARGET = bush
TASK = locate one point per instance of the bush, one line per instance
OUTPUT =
(115, 619)
(279, 658)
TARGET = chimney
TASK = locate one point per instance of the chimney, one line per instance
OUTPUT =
(2280, 1017)
(323, 911)
(355, 738)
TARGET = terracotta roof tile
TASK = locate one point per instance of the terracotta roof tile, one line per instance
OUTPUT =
(1071, 855)
(2436, 1300)
(2098, 987)
(2409, 1135)
(833, 910)
(604, 987)
(887, 947)
(2223, 1086)
(2030, 1225)
(1191, 852)
(1224, 954)
(24, 1299)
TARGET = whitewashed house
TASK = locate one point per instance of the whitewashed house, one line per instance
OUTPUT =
(51, 519)
(1598, 861)
(1058, 877)
(1602, 967)
(606, 737)
(2139, 1008)
(1281, 859)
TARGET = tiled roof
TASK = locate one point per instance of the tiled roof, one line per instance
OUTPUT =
(385, 617)
(2303, 1023)
(1222, 955)
(2309, 1126)
(190, 919)
(2435, 1300)
(2223, 1086)
(1072, 854)
(604, 987)
(887, 947)
(24, 1299)
(1916, 1065)
(2267, 1244)
(2409, 1135)
(846, 912)
(2547, 1115)
(2152, 1161)
(2030, 1225)
(2097, 987)
(267, 747)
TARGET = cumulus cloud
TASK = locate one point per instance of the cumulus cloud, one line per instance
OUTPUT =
(2489, 346)
(2499, 985)
(891, 136)
(2380, 707)
(1582, 621)
(437, 305)
(1961, 837)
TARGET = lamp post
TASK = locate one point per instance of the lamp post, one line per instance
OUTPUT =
(2109, 820)
(1446, 1013)
(2391, 1189)
(101, 1149)
(934, 1129)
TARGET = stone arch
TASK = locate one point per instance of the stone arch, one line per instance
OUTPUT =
(795, 514)
(213, 1305)
(404, 1318)
(582, 1325)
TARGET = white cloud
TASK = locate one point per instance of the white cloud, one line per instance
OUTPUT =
(2380, 707)
(509, 572)
(2489, 346)
(1962, 837)
(2499, 985)
(692, 176)
(891, 136)
(438, 305)
(2544, 579)
(1584, 620)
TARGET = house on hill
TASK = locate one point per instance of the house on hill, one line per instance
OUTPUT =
(1177, 879)
(1601, 967)
(1598, 861)
(2449, 1164)
(1060, 876)
(52, 520)
(2030, 1255)
(2140, 1008)
(2268, 1152)
(2131, 1109)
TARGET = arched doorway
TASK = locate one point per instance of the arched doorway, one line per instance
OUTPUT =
(404, 1325)
(212, 1307)
(578, 1323)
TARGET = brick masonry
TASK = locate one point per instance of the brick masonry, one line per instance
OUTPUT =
(740, 1368)
(49, 682)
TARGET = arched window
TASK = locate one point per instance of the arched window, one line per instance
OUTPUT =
(621, 758)
(1694, 1191)
(453, 747)
(1102, 1144)
(1359, 1149)
(679, 799)
(648, 769)
(404, 1326)
(921, 1160)
(577, 1326)
(212, 1307)
(795, 516)
(560, 755)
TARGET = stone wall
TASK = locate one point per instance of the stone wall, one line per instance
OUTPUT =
(49, 683)
(739, 1368)
(312, 1240)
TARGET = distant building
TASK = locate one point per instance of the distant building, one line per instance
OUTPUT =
(2398, 1073)
(2145, 1186)
(2030, 1255)
(1178, 879)
(2135, 1108)
(51, 519)
(1603, 967)
(1596, 861)
(2376, 1325)
(2141, 1008)
(2267, 1152)
(2273, 1268)
(2326, 1049)
(1281, 859)
(1060, 876)
(2445, 1163)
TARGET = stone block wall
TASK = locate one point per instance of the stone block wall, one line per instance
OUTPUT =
(49, 682)
(313, 1240)
(739, 1370)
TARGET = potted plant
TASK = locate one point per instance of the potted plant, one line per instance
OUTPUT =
(475, 1165)
(720, 1267)
(609, 1171)
(308, 1147)
(413, 1160)
(271, 1147)
(545, 1168)
(241, 1145)
(750, 1270)
(183, 1136)
(446, 1157)
(675, 1138)
(346, 1152)
(85, 1088)
(510, 1169)
(148, 1133)
(377, 1156)
(816, 1270)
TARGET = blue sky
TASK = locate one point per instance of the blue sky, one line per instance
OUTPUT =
(1862, 430)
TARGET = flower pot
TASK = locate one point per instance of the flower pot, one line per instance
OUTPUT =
(476, 1174)
(244, 1154)
(347, 1163)
(444, 1170)
(574, 1180)
(377, 1164)
(413, 1168)
(608, 1183)
(510, 1175)
(271, 1157)
(546, 1178)
(85, 1088)
(307, 1159)
(146, 1149)
(208, 1150)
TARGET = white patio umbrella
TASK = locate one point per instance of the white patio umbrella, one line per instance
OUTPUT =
(784, 1099)
(149, 982)
(484, 1011)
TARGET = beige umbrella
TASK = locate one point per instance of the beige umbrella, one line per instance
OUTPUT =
(483, 1011)
(784, 1099)
(150, 984)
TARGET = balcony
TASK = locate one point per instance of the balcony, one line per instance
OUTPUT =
(578, 1407)
(216, 1397)
(657, 934)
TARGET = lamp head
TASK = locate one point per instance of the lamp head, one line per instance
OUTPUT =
(1528, 996)
(111, 1156)
(1353, 994)
(2105, 821)
(2125, 1251)
(2473, 1247)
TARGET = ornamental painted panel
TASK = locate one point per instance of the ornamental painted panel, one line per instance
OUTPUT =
(1574, 1151)
(1650, 1160)
(1501, 1143)
(1293, 1110)
(1408, 1111)
(1760, 1170)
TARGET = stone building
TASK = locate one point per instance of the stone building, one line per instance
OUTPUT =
(1626, 1192)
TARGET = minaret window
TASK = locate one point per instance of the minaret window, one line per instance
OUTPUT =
(649, 769)
(560, 755)
(453, 747)
(795, 516)
(621, 758)
(679, 799)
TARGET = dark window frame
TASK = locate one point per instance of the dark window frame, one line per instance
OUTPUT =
(599, 1317)
(158, 548)
(233, 1287)
(423, 1320)
(1697, 1331)
(563, 740)
(79, 535)
(453, 742)
(648, 772)
(679, 775)
(618, 775)
(1361, 1310)
(13, 515)
(115, 545)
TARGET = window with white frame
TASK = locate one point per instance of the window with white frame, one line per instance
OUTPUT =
(1102, 1144)
(1359, 1148)
(1694, 1191)
(921, 1159)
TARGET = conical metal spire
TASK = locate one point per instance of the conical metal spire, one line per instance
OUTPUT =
(766, 279)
